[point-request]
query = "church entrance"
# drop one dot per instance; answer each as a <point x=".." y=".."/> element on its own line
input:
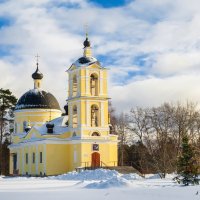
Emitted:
<point x="95" y="160"/>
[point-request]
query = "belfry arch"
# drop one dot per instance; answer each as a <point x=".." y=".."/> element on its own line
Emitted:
<point x="94" y="84"/>
<point x="75" y="117"/>
<point x="74" y="86"/>
<point x="95" y="116"/>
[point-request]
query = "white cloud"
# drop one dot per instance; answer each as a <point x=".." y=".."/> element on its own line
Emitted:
<point x="152" y="91"/>
<point x="165" y="33"/>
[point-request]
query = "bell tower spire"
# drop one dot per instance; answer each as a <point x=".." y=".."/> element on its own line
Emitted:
<point x="37" y="75"/>
<point x="87" y="48"/>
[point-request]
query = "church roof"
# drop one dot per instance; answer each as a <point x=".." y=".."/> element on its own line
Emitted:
<point x="85" y="61"/>
<point x="37" y="98"/>
<point x="60" y="126"/>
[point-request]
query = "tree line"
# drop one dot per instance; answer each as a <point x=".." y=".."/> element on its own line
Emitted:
<point x="151" y="138"/>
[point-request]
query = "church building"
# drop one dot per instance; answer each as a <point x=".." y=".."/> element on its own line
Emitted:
<point x="46" y="142"/>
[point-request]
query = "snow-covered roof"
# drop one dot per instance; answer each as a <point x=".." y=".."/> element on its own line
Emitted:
<point x="59" y="126"/>
<point x="85" y="61"/>
<point x="20" y="135"/>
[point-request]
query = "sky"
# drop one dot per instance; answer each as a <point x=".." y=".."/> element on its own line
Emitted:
<point x="152" y="48"/>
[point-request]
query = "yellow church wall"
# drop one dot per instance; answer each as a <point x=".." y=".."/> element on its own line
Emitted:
<point x="107" y="151"/>
<point x="85" y="155"/>
<point x="83" y="113"/>
<point x="75" y="155"/>
<point x="83" y="80"/>
<point x="11" y="163"/>
<point x="113" y="154"/>
<point x="105" y="89"/>
<point x="106" y="113"/>
<point x="30" y="167"/>
<point x="89" y="132"/>
<point x="57" y="159"/>
<point x="34" y="117"/>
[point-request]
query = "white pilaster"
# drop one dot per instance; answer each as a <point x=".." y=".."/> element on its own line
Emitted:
<point x="78" y="84"/>
<point x="102" y="114"/>
<point x="29" y="160"/>
<point x="70" y="114"/>
<point x="101" y="82"/>
<point x="36" y="159"/>
<point x="70" y="85"/>
<point x="87" y="114"/>
<point x="87" y="83"/>
<point x="79" y="114"/>
<point x="23" y="155"/>
<point x="44" y="158"/>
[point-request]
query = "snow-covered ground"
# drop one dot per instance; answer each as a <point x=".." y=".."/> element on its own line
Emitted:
<point x="98" y="185"/>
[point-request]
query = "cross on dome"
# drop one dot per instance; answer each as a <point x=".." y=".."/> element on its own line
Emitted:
<point x="37" y="75"/>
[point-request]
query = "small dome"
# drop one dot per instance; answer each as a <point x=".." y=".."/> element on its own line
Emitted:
<point x="84" y="60"/>
<point x="86" y="43"/>
<point x="37" y="99"/>
<point x="37" y="74"/>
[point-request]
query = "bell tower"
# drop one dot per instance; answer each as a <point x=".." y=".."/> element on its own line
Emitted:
<point x="87" y="96"/>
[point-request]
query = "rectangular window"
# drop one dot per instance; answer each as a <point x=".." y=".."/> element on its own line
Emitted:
<point x="26" y="158"/>
<point x="33" y="157"/>
<point x="40" y="157"/>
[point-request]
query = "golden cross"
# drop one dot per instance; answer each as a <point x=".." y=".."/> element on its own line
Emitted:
<point x="86" y="29"/>
<point x="37" y="59"/>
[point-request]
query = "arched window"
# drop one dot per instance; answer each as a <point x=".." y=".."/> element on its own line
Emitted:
<point x="74" y="86"/>
<point x="75" y="117"/>
<point x="94" y="85"/>
<point x="94" y="116"/>
<point x="74" y="134"/>
<point x="95" y="134"/>
<point x="24" y="125"/>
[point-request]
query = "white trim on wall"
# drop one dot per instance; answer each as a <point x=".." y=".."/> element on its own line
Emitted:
<point x="23" y="155"/>
<point x="36" y="159"/>
<point x="87" y="113"/>
<point x="72" y="140"/>
<point x="87" y="82"/>
<point x="102" y="114"/>
<point x="29" y="160"/>
<point x="44" y="158"/>
<point x="101" y="83"/>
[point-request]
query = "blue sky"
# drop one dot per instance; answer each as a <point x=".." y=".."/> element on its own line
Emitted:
<point x="150" y="47"/>
<point x="110" y="3"/>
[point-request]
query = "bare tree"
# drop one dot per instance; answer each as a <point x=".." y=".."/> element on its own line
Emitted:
<point x="123" y="135"/>
<point x="161" y="129"/>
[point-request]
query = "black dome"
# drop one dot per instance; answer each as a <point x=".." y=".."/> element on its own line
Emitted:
<point x="86" y="43"/>
<point x="84" y="60"/>
<point x="37" y="74"/>
<point x="34" y="99"/>
<point x="87" y="60"/>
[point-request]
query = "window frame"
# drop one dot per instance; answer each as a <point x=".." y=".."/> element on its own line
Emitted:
<point x="41" y="157"/>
